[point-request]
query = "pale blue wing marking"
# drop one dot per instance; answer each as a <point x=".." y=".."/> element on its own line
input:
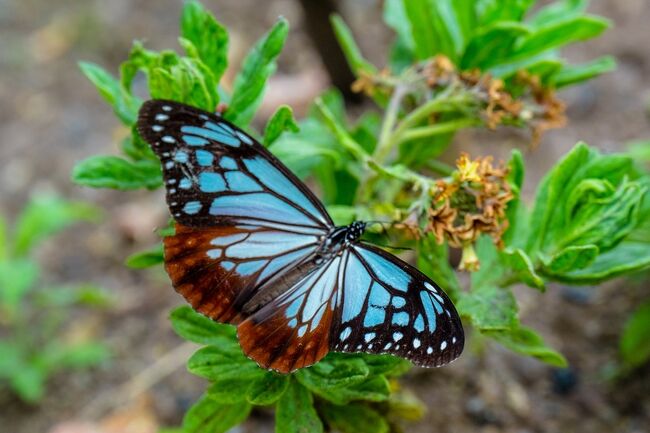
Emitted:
<point x="192" y="207"/>
<point x="192" y="140"/>
<point x="379" y="297"/>
<point x="210" y="134"/>
<point x="204" y="158"/>
<point x="228" y="240"/>
<point x="181" y="157"/>
<point x="419" y="323"/>
<point x="356" y="286"/>
<point x="249" y="268"/>
<point x="374" y="316"/>
<point x="227" y="163"/>
<point x="265" y="244"/>
<point x="238" y="181"/>
<point x="401" y="318"/>
<point x="259" y="205"/>
<point x="185" y="183"/>
<point x="280" y="184"/>
<point x="398" y="302"/>
<point x="211" y="182"/>
<point x="283" y="261"/>
<point x="429" y="310"/>
<point x="385" y="271"/>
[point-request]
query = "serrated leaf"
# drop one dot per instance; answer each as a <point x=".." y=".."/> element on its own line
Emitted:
<point x="258" y="66"/>
<point x="208" y="36"/>
<point x="281" y="121"/>
<point x="337" y="370"/>
<point x="124" y="104"/>
<point x="350" y="48"/>
<point x="210" y="416"/>
<point x="267" y="389"/>
<point x="527" y="342"/>
<point x="634" y="347"/>
<point x="196" y="327"/>
<point x="353" y="418"/>
<point x="117" y="173"/>
<point x="295" y="411"/>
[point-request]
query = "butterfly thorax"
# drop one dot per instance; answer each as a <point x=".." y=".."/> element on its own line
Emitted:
<point x="343" y="235"/>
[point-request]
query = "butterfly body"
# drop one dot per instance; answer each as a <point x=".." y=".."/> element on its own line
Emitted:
<point x="255" y="248"/>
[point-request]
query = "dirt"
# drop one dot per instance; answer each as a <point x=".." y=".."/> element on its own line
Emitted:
<point x="51" y="117"/>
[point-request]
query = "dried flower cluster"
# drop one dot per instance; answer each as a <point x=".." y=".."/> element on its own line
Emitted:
<point x="472" y="202"/>
<point x="535" y="105"/>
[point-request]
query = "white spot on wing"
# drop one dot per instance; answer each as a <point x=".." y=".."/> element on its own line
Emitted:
<point x="166" y="108"/>
<point x="416" y="342"/>
<point x="443" y="345"/>
<point x="161" y="117"/>
<point x="429" y="350"/>
<point x="168" y="139"/>
<point x="157" y="128"/>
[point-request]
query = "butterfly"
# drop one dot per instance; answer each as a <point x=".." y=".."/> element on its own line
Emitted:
<point x="254" y="247"/>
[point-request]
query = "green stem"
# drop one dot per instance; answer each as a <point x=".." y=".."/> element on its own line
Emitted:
<point x="390" y="118"/>
<point x="439" y="167"/>
<point x="439" y="128"/>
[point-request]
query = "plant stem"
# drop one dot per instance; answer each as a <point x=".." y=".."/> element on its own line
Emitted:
<point x="390" y="118"/>
<point x="439" y="167"/>
<point x="440" y="128"/>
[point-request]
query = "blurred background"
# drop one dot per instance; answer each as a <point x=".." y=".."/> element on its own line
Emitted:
<point x="51" y="117"/>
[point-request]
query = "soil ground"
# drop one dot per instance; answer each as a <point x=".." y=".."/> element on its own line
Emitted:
<point x="51" y="117"/>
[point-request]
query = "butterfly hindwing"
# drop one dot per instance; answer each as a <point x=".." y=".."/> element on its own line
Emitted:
<point x="220" y="269"/>
<point x="387" y="306"/>
<point x="215" y="172"/>
<point x="293" y="331"/>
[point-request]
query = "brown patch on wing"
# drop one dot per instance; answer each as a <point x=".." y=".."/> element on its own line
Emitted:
<point x="210" y="288"/>
<point x="267" y="339"/>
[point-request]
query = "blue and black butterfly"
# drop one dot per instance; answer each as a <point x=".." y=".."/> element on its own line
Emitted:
<point x="255" y="248"/>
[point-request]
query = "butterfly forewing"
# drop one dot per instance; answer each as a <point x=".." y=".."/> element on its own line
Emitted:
<point x="214" y="172"/>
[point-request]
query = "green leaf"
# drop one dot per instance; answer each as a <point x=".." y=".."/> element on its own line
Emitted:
<point x="337" y="370"/>
<point x="45" y="216"/>
<point x="577" y="73"/>
<point x="516" y="215"/>
<point x="561" y="33"/>
<point x="491" y="11"/>
<point x="626" y="258"/>
<point x="428" y="30"/>
<point x="350" y="48"/>
<point x="78" y="355"/>
<point x="492" y="45"/>
<point x="17" y="278"/>
<point x="433" y="260"/>
<point x="522" y="268"/>
<point x="29" y="383"/>
<point x="489" y="307"/>
<point x="5" y="247"/>
<point x="117" y="173"/>
<point x="196" y="327"/>
<point x="210" y="416"/>
<point x="257" y="67"/>
<point x="558" y="11"/>
<point x="223" y="362"/>
<point x="526" y="342"/>
<point x="353" y="418"/>
<point x="404" y="404"/>
<point x="229" y="390"/>
<point x="208" y="36"/>
<point x="375" y="388"/>
<point x="267" y="389"/>
<point x="281" y="121"/>
<point x="295" y="411"/>
<point x="572" y="258"/>
<point x="183" y="79"/>
<point x="634" y="347"/>
<point x="146" y="259"/>
<point x="124" y="104"/>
